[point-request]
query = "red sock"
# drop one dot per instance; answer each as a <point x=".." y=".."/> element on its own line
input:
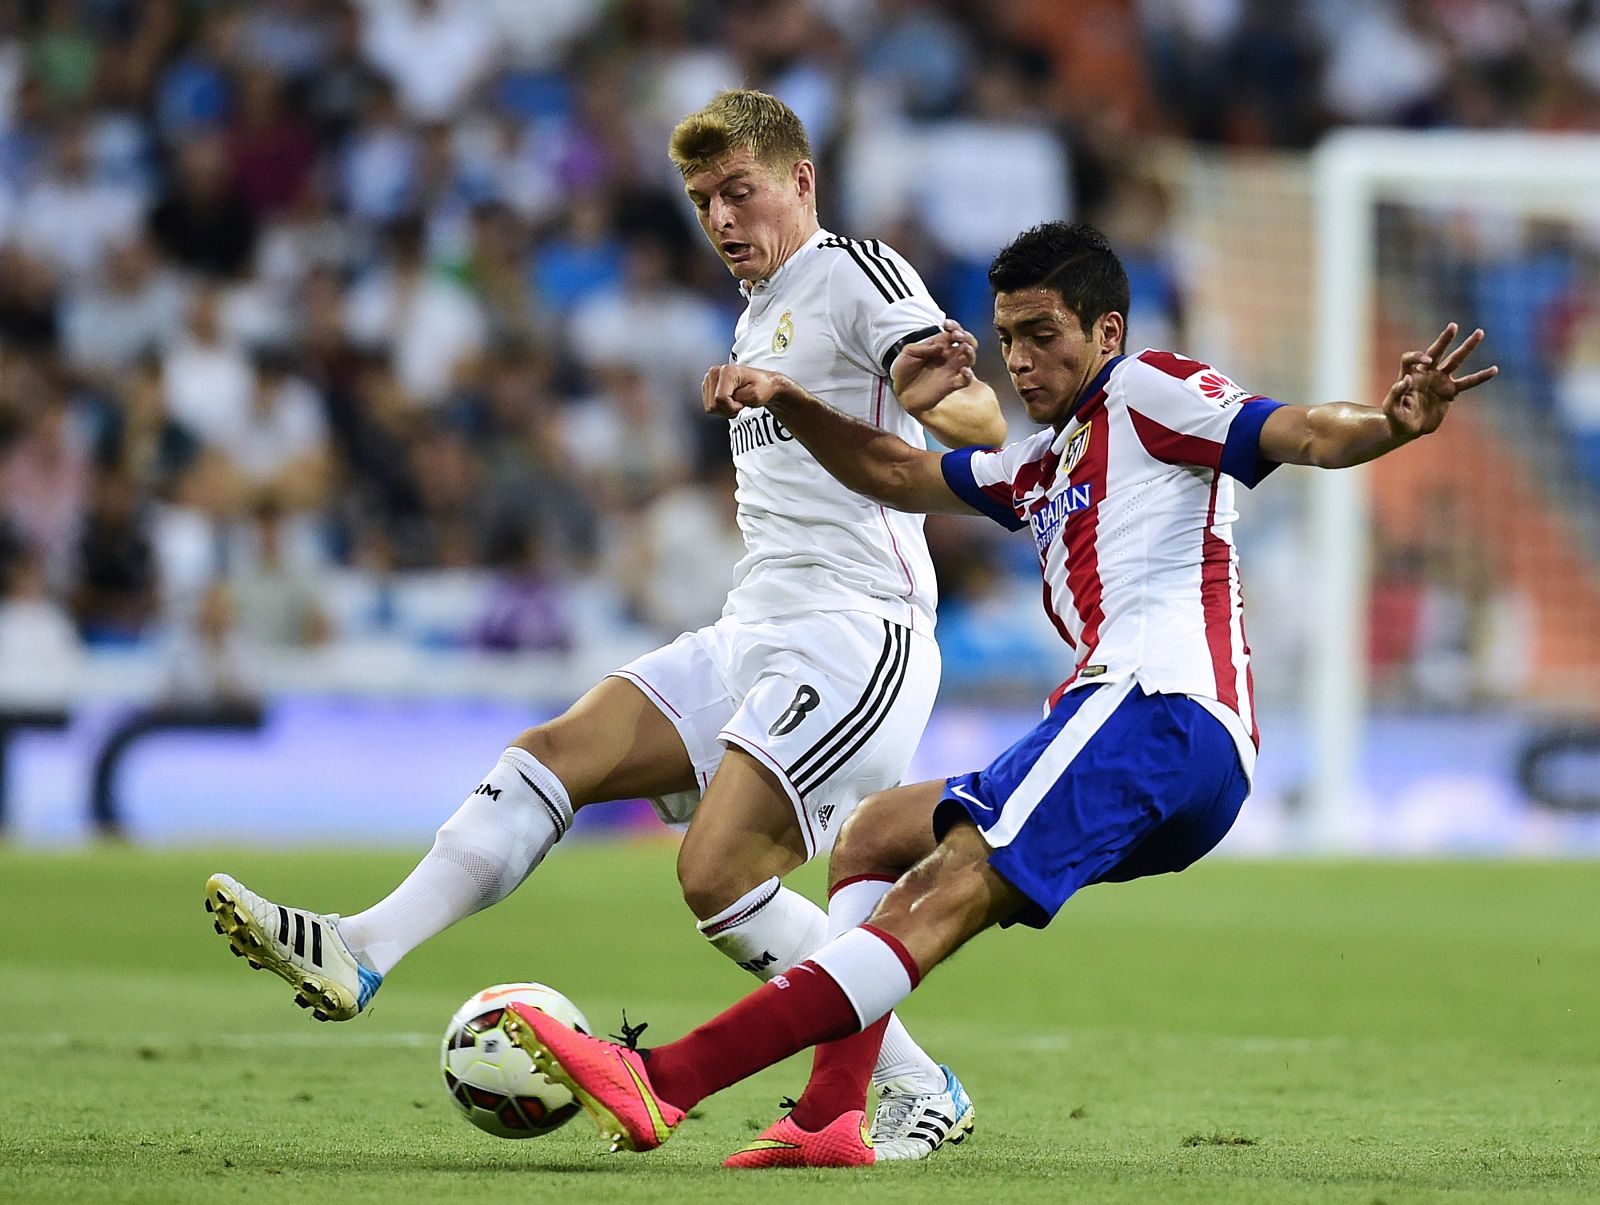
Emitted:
<point x="799" y="1008"/>
<point x="841" y="1072"/>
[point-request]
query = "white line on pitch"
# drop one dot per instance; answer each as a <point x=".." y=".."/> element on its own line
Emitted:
<point x="228" y="1041"/>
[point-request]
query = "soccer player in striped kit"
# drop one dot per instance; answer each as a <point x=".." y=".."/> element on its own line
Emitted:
<point x="1145" y="753"/>
<point x="762" y="732"/>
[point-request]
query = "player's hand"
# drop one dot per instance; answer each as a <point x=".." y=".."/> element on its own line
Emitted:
<point x="927" y="372"/>
<point x="730" y="388"/>
<point x="1417" y="403"/>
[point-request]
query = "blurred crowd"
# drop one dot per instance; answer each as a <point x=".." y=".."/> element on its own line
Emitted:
<point x="329" y="321"/>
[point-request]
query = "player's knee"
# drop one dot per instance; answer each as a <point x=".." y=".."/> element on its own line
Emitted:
<point x="543" y="742"/>
<point x="866" y="844"/>
<point x="710" y="881"/>
<point x="952" y="888"/>
<point x="552" y="745"/>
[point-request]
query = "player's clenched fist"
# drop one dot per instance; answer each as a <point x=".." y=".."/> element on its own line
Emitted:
<point x="730" y="388"/>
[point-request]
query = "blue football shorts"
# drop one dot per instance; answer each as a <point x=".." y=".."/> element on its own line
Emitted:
<point x="1114" y="784"/>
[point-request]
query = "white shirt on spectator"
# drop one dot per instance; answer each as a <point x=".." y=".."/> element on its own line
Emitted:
<point x="107" y="331"/>
<point x="39" y="651"/>
<point x="75" y="224"/>
<point x="273" y="436"/>
<point x="1378" y="65"/>
<point x="208" y="389"/>
<point x="430" y="327"/>
<point x="692" y="548"/>
<point x="435" y="53"/>
<point x="1012" y="176"/>
<point x="669" y="335"/>
<point x="377" y="171"/>
<point x="544" y="42"/>
<point x="600" y="438"/>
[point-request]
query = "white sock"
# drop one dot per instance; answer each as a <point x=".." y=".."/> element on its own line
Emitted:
<point x="480" y="856"/>
<point x="899" y="1058"/>
<point x="767" y="930"/>
<point x="869" y="971"/>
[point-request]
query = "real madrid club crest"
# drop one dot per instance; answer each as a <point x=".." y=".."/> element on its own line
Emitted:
<point x="1075" y="449"/>
<point x="784" y="335"/>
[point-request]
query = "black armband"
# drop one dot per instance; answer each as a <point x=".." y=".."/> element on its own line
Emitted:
<point x="899" y="345"/>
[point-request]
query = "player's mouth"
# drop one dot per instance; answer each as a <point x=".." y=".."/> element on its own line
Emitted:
<point x="737" y="253"/>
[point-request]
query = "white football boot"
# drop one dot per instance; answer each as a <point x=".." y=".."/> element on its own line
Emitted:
<point x="911" y="1124"/>
<point x="302" y="948"/>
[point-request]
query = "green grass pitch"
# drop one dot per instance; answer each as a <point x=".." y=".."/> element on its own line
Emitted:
<point x="1271" y="1032"/>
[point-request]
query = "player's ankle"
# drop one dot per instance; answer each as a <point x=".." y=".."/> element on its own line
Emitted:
<point x="351" y="936"/>
<point x="916" y="1077"/>
<point x="815" y="1116"/>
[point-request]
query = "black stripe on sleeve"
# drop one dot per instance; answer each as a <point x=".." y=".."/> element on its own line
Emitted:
<point x="881" y="283"/>
<point x="890" y="267"/>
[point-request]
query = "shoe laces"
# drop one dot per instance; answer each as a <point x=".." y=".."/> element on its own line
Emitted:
<point x="894" y="1112"/>
<point x="629" y="1036"/>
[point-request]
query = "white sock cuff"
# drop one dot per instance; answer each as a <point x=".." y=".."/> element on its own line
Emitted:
<point x="868" y="971"/>
<point x="851" y="903"/>
<point x="546" y="787"/>
<point x="741" y="910"/>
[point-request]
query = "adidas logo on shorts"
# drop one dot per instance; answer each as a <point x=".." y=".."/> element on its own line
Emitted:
<point x="824" y="814"/>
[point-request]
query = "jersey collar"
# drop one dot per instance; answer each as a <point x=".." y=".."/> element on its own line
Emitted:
<point x="761" y="286"/>
<point x="1094" y="388"/>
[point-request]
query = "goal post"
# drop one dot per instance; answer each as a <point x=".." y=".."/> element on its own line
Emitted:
<point x="1354" y="173"/>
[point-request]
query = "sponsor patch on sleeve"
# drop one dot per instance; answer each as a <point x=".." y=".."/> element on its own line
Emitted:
<point x="1217" y="389"/>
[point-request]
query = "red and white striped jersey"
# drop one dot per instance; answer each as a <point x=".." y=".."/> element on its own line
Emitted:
<point x="1131" y="509"/>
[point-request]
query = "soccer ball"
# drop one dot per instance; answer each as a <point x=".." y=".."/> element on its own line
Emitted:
<point x="491" y="1081"/>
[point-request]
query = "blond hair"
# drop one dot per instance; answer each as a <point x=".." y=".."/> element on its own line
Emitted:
<point x="739" y="119"/>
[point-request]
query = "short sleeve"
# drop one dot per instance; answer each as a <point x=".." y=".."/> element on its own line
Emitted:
<point x="1185" y="412"/>
<point x="984" y="478"/>
<point x="877" y="303"/>
<point x="1241" y="451"/>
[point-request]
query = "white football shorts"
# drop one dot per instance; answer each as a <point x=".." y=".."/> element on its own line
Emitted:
<point x="833" y="703"/>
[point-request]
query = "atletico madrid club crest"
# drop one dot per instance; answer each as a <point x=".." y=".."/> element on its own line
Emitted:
<point x="784" y="335"/>
<point x="1075" y="450"/>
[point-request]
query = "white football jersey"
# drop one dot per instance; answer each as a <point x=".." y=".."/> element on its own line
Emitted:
<point x="832" y="318"/>
<point x="1131" y="510"/>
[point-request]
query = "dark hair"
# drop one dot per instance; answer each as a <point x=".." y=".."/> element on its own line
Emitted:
<point x="1072" y="258"/>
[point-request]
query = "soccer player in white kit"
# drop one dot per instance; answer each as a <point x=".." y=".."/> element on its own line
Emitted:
<point x="1145" y="752"/>
<point x="762" y="732"/>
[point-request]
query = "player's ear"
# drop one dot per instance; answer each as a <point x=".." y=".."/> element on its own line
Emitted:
<point x="1111" y="330"/>
<point x="805" y="180"/>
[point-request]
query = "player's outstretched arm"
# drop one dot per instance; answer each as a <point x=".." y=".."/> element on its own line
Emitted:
<point x="865" y="458"/>
<point x="934" y="381"/>
<point x="1340" y="434"/>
